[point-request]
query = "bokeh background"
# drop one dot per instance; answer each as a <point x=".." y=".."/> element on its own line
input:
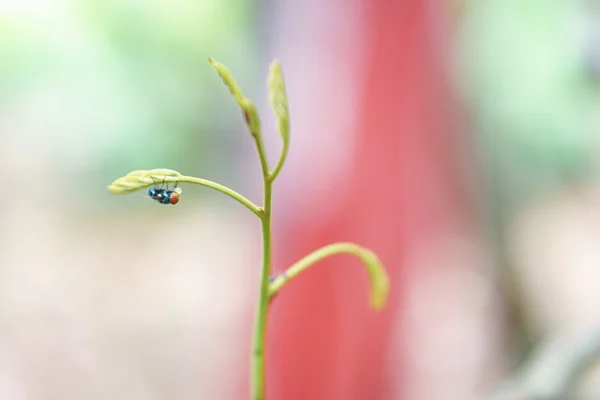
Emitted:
<point x="457" y="139"/>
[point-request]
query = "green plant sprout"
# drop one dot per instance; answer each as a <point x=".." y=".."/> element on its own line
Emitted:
<point x="378" y="278"/>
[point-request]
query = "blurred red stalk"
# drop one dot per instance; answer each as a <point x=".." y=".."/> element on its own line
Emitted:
<point x="324" y="341"/>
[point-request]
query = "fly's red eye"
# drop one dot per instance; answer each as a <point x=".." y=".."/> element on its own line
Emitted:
<point x="174" y="198"/>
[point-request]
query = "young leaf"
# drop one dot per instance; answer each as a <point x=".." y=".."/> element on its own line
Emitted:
<point x="248" y="108"/>
<point x="142" y="178"/>
<point x="278" y="99"/>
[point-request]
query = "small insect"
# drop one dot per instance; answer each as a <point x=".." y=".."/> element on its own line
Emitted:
<point x="164" y="196"/>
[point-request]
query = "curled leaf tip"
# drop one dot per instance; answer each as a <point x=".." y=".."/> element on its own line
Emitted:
<point x="142" y="178"/>
<point x="379" y="282"/>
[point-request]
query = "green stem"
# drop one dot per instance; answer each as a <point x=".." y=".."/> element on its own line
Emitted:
<point x="260" y="327"/>
<point x="280" y="163"/>
<point x="223" y="189"/>
<point x="262" y="154"/>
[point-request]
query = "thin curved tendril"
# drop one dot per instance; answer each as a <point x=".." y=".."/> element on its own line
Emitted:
<point x="378" y="278"/>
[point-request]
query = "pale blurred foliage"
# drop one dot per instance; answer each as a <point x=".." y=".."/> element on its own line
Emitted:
<point x="120" y="307"/>
<point x="452" y="330"/>
<point x="117" y="297"/>
<point x="528" y="72"/>
<point x="554" y="241"/>
<point x="554" y="244"/>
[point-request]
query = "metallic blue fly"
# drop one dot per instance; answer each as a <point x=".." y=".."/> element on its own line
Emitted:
<point x="164" y="196"/>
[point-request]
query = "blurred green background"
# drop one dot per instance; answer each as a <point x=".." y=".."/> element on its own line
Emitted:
<point x="106" y="87"/>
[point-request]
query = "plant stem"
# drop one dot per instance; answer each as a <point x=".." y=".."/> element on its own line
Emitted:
<point x="279" y="164"/>
<point x="262" y="155"/>
<point x="260" y="327"/>
<point x="223" y="189"/>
